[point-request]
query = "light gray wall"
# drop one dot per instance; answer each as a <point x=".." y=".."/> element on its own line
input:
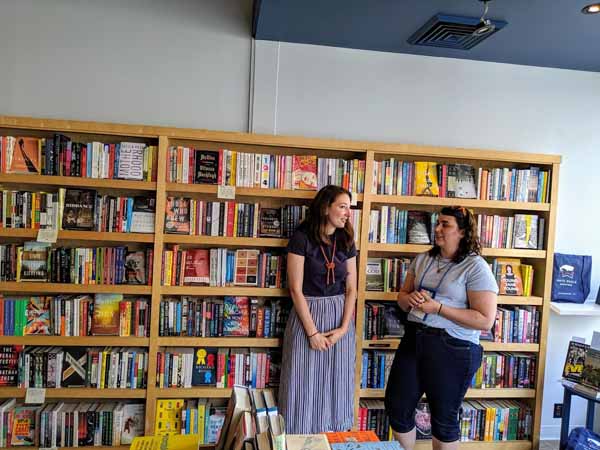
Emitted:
<point x="355" y="94"/>
<point x="179" y="62"/>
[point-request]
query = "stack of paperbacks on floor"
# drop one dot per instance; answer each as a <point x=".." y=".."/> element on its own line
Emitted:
<point x="252" y="421"/>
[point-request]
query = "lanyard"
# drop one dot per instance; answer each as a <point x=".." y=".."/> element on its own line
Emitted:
<point x="450" y="265"/>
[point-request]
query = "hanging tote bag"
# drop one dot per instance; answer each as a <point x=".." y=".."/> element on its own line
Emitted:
<point x="571" y="276"/>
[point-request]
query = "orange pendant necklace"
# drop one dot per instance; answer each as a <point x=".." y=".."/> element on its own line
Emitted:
<point x="330" y="265"/>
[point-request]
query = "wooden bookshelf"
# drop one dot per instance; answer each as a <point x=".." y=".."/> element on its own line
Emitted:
<point x="368" y="151"/>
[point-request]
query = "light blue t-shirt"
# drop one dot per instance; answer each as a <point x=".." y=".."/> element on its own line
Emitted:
<point x="451" y="284"/>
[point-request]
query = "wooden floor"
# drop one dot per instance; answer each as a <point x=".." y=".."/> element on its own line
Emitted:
<point x="548" y="445"/>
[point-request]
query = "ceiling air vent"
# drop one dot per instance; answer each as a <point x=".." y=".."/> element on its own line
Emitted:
<point x="452" y="32"/>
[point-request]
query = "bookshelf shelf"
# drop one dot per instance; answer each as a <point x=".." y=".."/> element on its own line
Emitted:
<point x="218" y="342"/>
<point x="76" y="341"/>
<point x="367" y="151"/>
<point x="418" y="248"/>
<point x="66" y="235"/>
<point x="218" y="291"/>
<point x="194" y="392"/>
<point x="467" y="203"/>
<point x="489" y="445"/>
<point x="179" y="188"/>
<point x="224" y="241"/>
<point x="471" y="393"/>
<point x="77" y="393"/>
<point x="68" y="288"/>
<point x="51" y="180"/>
<point x="502" y="299"/>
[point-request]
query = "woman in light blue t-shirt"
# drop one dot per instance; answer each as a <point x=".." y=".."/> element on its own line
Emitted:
<point x="450" y="296"/>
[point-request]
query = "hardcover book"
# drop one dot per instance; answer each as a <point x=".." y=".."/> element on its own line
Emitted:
<point x="525" y="231"/>
<point x="423" y="420"/>
<point x="74" y="367"/>
<point x="269" y="222"/>
<point x="304" y="172"/>
<point x="205" y="363"/>
<point x="135" y="267"/>
<point x="207" y="167"/>
<point x="375" y="274"/>
<point x="426" y="182"/>
<point x="34" y="261"/>
<point x="418" y="227"/>
<point x="23" y="155"/>
<point x="23" y="425"/>
<point x="130" y="164"/>
<point x="510" y="281"/>
<point x="197" y="266"/>
<point x="133" y="422"/>
<point x="246" y="267"/>
<point x="142" y="217"/>
<point x="177" y="216"/>
<point x="590" y="376"/>
<point x="38" y="316"/>
<point x="105" y="320"/>
<point x="575" y="360"/>
<point x="236" y="316"/>
<point x="78" y="211"/>
<point x="465" y="181"/>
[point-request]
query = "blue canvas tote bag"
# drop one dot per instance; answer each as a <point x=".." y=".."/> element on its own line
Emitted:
<point x="571" y="277"/>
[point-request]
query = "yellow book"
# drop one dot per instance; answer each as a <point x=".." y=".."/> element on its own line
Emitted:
<point x="201" y="419"/>
<point x="105" y="354"/>
<point x="170" y="442"/>
<point x="19" y="262"/>
<point x="235" y="220"/>
<point x="168" y="417"/>
<point x="426" y="181"/>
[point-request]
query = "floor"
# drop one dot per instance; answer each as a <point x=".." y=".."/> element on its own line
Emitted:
<point x="548" y="445"/>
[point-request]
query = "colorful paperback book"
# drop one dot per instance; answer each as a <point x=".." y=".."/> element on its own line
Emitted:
<point x="351" y="436"/>
<point x="204" y="369"/>
<point x="34" y="261"/>
<point x="246" y="267"/>
<point x="590" y="375"/>
<point x="304" y="172"/>
<point x="105" y="321"/>
<point x="509" y="276"/>
<point x="197" y="266"/>
<point x="575" y="360"/>
<point x="236" y="316"/>
<point x="23" y="426"/>
<point x="168" y="417"/>
<point x="177" y="215"/>
<point x="382" y="445"/>
<point x="24" y="154"/>
<point x="423" y="420"/>
<point x="426" y="182"/>
<point x="38" y="316"/>
<point x="74" y="367"/>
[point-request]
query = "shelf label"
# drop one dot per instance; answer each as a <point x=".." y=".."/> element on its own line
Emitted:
<point x="48" y="235"/>
<point x="353" y="199"/>
<point x="226" y="192"/>
<point x="35" y="396"/>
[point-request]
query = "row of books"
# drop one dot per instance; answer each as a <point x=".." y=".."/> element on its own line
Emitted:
<point x="32" y="210"/>
<point x="376" y="366"/>
<point x="75" y="315"/>
<point x="372" y="417"/>
<point x="65" y="424"/>
<point x="202" y="417"/>
<point x="395" y="177"/>
<point x="392" y="225"/>
<point x="521" y="231"/>
<point x="386" y="274"/>
<point x="516" y="324"/>
<point x="232" y="168"/>
<point x="382" y="320"/>
<point x="37" y="261"/>
<point x="505" y="370"/>
<point x="227" y="316"/>
<point x="223" y="267"/>
<point x="204" y="366"/>
<point x="59" y="155"/>
<point x="56" y="367"/>
<point x="495" y="420"/>
<point x="512" y="276"/>
<point x="582" y="367"/>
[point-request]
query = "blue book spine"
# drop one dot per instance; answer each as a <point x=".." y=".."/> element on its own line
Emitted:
<point x="88" y="156"/>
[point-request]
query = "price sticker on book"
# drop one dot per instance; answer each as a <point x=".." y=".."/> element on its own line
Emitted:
<point x="226" y="192"/>
<point x="49" y="235"/>
<point x="353" y="199"/>
<point x="35" y="396"/>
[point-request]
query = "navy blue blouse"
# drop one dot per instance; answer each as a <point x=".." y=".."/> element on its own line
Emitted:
<point x="315" y="272"/>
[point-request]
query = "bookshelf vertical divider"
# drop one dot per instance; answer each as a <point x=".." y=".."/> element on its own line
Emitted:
<point x="362" y="278"/>
<point x="370" y="152"/>
<point x="159" y="221"/>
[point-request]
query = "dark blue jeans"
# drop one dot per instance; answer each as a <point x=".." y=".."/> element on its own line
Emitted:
<point x="429" y="361"/>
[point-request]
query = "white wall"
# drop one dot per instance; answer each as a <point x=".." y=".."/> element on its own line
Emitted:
<point x="179" y="62"/>
<point x="355" y="94"/>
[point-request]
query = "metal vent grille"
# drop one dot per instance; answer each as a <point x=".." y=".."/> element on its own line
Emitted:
<point x="452" y="32"/>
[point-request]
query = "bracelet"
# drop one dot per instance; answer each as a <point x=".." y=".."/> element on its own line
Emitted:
<point x="314" y="334"/>
<point x="440" y="310"/>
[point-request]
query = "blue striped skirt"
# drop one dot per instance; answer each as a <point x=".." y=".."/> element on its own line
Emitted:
<point x="316" y="393"/>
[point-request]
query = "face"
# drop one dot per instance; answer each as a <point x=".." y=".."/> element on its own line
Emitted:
<point x="338" y="213"/>
<point x="447" y="233"/>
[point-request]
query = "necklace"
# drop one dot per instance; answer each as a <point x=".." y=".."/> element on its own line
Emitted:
<point x="330" y="265"/>
<point x="440" y="267"/>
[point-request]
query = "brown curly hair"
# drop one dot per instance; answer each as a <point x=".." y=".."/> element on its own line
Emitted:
<point x="469" y="244"/>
